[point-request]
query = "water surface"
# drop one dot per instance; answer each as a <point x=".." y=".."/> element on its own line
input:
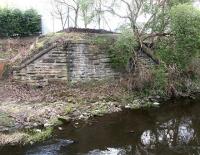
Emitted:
<point x="172" y="129"/>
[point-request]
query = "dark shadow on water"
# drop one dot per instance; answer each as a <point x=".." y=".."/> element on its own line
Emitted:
<point x="172" y="129"/>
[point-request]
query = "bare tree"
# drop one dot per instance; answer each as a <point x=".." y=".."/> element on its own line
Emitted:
<point x="73" y="5"/>
<point x="53" y="21"/>
<point x="99" y="12"/>
<point x="87" y="11"/>
<point x="60" y="12"/>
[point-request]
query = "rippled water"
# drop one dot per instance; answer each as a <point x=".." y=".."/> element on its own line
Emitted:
<point x="172" y="129"/>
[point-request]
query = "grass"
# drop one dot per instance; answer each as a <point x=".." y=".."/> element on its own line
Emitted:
<point x="68" y="109"/>
<point x="35" y="136"/>
<point x="12" y="139"/>
<point x="24" y="138"/>
<point x="55" y="122"/>
<point x="5" y="120"/>
<point x="7" y="54"/>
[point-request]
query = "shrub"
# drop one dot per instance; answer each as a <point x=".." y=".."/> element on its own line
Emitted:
<point x="181" y="51"/>
<point x="184" y="46"/>
<point x="142" y="80"/>
<point x="185" y="24"/>
<point x="18" y="23"/>
<point x="123" y="49"/>
<point x="160" y="78"/>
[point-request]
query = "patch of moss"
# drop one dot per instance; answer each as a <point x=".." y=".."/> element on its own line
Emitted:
<point x="35" y="136"/>
<point x="3" y="54"/>
<point x="68" y="109"/>
<point x="12" y="139"/>
<point x="25" y="138"/>
<point x="39" y="45"/>
<point x="5" y="120"/>
<point x="55" y="122"/>
<point x="100" y="109"/>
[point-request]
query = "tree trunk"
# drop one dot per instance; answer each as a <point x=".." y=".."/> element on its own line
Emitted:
<point x="150" y="53"/>
<point x="62" y="22"/>
<point x="76" y="18"/>
<point x="99" y="15"/>
<point x="68" y="17"/>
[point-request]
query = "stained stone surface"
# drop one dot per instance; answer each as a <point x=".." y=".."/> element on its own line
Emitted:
<point x="76" y="61"/>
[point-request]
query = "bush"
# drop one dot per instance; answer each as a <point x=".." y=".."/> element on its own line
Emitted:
<point x="181" y="51"/>
<point x="184" y="46"/>
<point x="185" y="21"/>
<point x="17" y="23"/>
<point x="123" y="49"/>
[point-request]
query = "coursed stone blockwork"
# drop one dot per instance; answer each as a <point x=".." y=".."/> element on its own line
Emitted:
<point x="75" y="61"/>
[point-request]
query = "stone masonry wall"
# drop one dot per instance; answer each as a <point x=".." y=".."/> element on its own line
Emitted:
<point x="88" y="62"/>
<point x="50" y="66"/>
<point x="78" y="61"/>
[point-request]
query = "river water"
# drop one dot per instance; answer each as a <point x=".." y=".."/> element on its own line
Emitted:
<point x="172" y="129"/>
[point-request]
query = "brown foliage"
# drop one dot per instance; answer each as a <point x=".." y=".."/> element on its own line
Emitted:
<point x="139" y="79"/>
<point x="15" y="48"/>
<point x="1" y="69"/>
<point x="173" y="77"/>
<point x="193" y="68"/>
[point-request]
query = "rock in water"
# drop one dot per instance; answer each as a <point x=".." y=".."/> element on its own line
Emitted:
<point x="156" y="103"/>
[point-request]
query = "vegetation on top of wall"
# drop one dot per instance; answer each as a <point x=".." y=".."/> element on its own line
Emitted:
<point x="120" y="48"/>
<point x="15" y="22"/>
<point x="123" y="49"/>
<point x="178" y="53"/>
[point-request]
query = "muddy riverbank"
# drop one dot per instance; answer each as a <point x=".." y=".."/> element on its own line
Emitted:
<point x="173" y="129"/>
<point x="25" y="109"/>
<point x="29" y="114"/>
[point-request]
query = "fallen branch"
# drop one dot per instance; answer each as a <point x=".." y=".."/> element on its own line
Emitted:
<point x="150" y="53"/>
<point x="158" y="35"/>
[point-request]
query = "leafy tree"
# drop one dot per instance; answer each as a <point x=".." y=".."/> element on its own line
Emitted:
<point x="32" y="21"/>
<point x="184" y="44"/>
<point x="155" y="25"/>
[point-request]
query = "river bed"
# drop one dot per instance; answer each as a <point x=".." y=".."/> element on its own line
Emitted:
<point x="172" y="129"/>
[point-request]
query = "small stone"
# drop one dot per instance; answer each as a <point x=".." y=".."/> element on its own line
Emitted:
<point x="47" y="125"/>
<point x="85" y="113"/>
<point x="81" y="117"/>
<point x="31" y="142"/>
<point x="128" y="107"/>
<point x="38" y="130"/>
<point x="35" y="124"/>
<point x="156" y="103"/>
<point x="76" y="123"/>
<point x="158" y="97"/>
<point x="65" y="119"/>
<point x="60" y="128"/>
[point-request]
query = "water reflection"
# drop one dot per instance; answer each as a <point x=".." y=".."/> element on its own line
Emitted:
<point x="185" y="131"/>
<point x="171" y="133"/>
<point x="108" y="151"/>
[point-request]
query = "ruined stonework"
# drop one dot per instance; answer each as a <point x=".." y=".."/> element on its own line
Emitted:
<point x="71" y="61"/>
<point x="87" y="62"/>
